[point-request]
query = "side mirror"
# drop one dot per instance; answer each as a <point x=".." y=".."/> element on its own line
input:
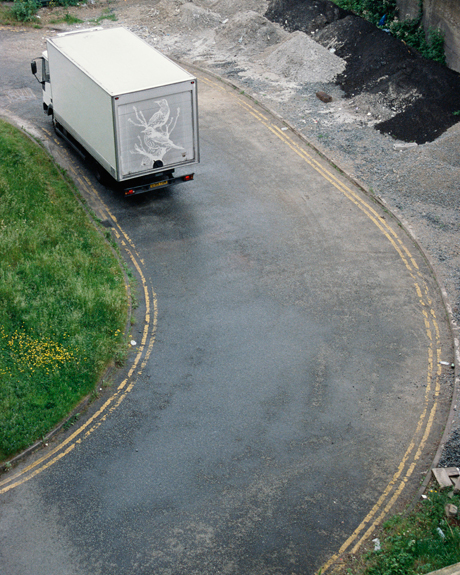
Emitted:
<point x="40" y="71"/>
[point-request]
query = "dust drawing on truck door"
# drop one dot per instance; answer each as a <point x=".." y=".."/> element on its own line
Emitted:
<point x="155" y="141"/>
<point x="155" y="130"/>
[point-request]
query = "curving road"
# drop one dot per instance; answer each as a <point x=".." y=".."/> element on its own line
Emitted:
<point x="285" y="393"/>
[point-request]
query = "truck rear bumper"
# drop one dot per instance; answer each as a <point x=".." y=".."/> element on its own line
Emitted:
<point x="157" y="184"/>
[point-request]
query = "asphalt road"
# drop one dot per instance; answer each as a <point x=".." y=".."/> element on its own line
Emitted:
<point x="285" y="388"/>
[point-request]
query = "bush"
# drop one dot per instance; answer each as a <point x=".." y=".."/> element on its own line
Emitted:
<point x="430" y="45"/>
<point x="66" y="2"/>
<point x="371" y="10"/>
<point x="25" y="10"/>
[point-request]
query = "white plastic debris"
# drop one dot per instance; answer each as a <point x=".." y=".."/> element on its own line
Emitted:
<point x="405" y="146"/>
<point x="133" y="343"/>
<point x="376" y="543"/>
<point x="441" y="533"/>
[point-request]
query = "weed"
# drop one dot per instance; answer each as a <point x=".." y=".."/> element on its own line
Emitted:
<point x="106" y="15"/>
<point x="7" y="17"/>
<point x="420" y="542"/>
<point x="371" y="10"/>
<point x="64" y="3"/>
<point x="71" y="421"/>
<point x="121" y="356"/>
<point x="134" y="301"/>
<point x="67" y="19"/>
<point x="25" y="10"/>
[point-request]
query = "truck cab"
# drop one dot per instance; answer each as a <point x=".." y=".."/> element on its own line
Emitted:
<point x="41" y="70"/>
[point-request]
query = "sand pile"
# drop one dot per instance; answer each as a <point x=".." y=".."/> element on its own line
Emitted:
<point x="302" y="59"/>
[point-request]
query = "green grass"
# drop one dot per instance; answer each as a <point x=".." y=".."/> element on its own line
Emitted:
<point x="63" y="302"/>
<point x="66" y="19"/>
<point x="420" y="542"/>
<point x="106" y="15"/>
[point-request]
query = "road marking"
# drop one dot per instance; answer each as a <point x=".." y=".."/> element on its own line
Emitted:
<point x="426" y="419"/>
<point x="407" y="465"/>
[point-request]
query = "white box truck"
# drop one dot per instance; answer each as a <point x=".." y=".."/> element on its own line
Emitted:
<point x="123" y="104"/>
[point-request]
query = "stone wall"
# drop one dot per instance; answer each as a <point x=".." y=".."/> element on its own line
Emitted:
<point x="442" y="14"/>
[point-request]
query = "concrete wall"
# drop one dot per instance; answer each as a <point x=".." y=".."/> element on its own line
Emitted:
<point x="445" y="15"/>
<point x="408" y="9"/>
<point x="442" y="14"/>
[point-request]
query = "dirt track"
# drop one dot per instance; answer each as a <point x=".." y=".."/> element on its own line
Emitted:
<point x="283" y="67"/>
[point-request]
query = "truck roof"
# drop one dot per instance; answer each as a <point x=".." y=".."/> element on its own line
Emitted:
<point x="118" y="60"/>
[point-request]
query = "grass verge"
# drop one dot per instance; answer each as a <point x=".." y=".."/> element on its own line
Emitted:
<point x="63" y="301"/>
<point x="417" y="543"/>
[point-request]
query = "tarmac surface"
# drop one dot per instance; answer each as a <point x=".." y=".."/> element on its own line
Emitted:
<point x="288" y="391"/>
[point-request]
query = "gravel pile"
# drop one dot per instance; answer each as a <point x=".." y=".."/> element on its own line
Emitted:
<point x="451" y="450"/>
<point x="301" y="59"/>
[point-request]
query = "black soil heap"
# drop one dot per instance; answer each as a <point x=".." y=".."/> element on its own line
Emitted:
<point x="423" y="93"/>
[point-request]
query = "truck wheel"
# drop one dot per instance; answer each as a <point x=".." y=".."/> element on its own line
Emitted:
<point x="55" y="125"/>
<point x="100" y="174"/>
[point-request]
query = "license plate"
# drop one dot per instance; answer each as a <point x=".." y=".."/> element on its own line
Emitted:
<point x="156" y="184"/>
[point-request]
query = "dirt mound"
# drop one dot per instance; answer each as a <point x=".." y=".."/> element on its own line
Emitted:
<point x="251" y="30"/>
<point x="422" y="95"/>
<point x="194" y="16"/>
<point x="302" y="59"/>
<point x="306" y="16"/>
<point x="231" y="7"/>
